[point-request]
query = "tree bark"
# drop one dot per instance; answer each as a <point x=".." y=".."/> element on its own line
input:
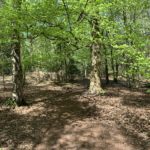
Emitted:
<point x="106" y="66"/>
<point x="117" y="71"/>
<point x="17" y="94"/>
<point x="3" y="74"/>
<point x="95" y="81"/>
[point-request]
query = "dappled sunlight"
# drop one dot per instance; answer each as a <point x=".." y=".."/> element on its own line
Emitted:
<point x="63" y="116"/>
<point x="74" y="75"/>
<point x="45" y="117"/>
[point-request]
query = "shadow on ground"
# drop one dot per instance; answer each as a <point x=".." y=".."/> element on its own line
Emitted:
<point x="137" y="101"/>
<point x="135" y="119"/>
<point x="44" y="120"/>
<point x="59" y="118"/>
<point x="133" y="115"/>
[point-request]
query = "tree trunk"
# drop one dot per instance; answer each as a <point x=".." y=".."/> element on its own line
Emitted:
<point x="85" y="73"/>
<point x="31" y="52"/>
<point x="66" y="70"/>
<point x="106" y="66"/>
<point x="95" y="82"/>
<point x="117" y="71"/>
<point x="113" y="67"/>
<point x="3" y="74"/>
<point x="106" y="71"/>
<point x="17" y="71"/>
<point x="17" y="94"/>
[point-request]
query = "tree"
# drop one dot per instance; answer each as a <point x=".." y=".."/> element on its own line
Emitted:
<point x="95" y="81"/>
<point x="17" y="71"/>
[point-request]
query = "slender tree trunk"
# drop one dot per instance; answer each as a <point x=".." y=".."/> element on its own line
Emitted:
<point x="31" y="52"/>
<point x="106" y="66"/>
<point x="113" y="67"/>
<point x="117" y="71"/>
<point x="17" y="94"/>
<point x="66" y="70"/>
<point x="85" y="73"/>
<point x="24" y="77"/>
<point x="3" y="74"/>
<point x="125" y="20"/>
<point x="106" y="71"/>
<point x="95" y="82"/>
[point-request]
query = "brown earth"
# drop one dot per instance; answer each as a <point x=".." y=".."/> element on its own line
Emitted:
<point x="64" y="117"/>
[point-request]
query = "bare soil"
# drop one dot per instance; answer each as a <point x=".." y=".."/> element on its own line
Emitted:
<point x="64" y="117"/>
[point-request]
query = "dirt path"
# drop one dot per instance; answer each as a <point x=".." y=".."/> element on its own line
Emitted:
<point x="63" y="117"/>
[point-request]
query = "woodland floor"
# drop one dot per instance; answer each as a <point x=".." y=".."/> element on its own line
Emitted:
<point x="64" y="117"/>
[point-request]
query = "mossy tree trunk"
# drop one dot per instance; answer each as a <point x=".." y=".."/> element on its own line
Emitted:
<point x="95" y="81"/>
